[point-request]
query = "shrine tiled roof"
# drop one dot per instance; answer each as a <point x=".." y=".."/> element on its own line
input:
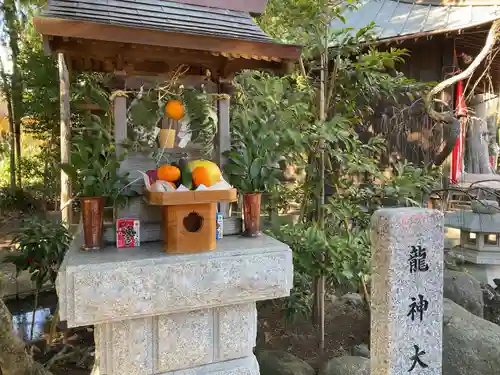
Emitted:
<point x="160" y="15"/>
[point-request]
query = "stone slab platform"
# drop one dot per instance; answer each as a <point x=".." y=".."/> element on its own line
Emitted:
<point x="113" y="284"/>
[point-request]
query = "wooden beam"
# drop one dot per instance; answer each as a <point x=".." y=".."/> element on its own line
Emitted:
<point x="147" y="60"/>
<point x="64" y="87"/>
<point x="121" y="34"/>
<point x="148" y="82"/>
<point x="150" y="59"/>
<point x="223" y="140"/>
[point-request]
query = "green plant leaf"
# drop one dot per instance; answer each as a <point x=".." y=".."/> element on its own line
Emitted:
<point x="255" y="168"/>
<point x="233" y="169"/>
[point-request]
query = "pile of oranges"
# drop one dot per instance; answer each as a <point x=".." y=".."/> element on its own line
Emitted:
<point x="190" y="174"/>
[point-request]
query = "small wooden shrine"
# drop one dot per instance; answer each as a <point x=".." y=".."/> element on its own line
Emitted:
<point x="152" y="312"/>
<point x="189" y="224"/>
<point x="142" y="41"/>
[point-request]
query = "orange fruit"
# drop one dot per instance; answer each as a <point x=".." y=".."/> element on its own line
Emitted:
<point x="174" y="110"/>
<point x="169" y="173"/>
<point x="201" y="177"/>
<point x="212" y="169"/>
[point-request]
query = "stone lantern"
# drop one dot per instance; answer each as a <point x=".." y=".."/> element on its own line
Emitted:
<point x="479" y="246"/>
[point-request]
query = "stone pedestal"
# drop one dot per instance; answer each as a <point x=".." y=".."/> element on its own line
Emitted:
<point x="156" y="313"/>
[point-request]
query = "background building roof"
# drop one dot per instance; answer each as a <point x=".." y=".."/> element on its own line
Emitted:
<point x="398" y="19"/>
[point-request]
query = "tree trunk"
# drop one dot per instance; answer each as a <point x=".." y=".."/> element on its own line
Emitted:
<point x="477" y="148"/>
<point x="6" y="89"/>
<point x="46" y="189"/>
<point x="12" y="151"/>
<point x="13" y="30"/>
<point x="321" y="280"/>
<point x="479" y="133"/>
<point x="14" y="360"/>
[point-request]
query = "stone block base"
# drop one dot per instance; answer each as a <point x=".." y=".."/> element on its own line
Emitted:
<point x="240" y="366"/>
<point x="166" y="343"/>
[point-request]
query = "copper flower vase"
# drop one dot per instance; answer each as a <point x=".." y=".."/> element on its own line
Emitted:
<point x="251" y="212"/>
<point x="92" y="219"/>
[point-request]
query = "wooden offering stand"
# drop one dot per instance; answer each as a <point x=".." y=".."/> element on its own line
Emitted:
<point x="189" y="218"/>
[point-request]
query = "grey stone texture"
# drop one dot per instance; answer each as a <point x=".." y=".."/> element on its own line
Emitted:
<point x="240" y="366"/>
<point x="471" y="345"/>
<point x="484" y="206"/>
<point x="146" y="346"/>
<point x="484" y="258"/>
<point x="275" y="362"/>
<point x="394" y="336"/>
<point x="347" y="365"/>
<point x="360" y="350"/>
<point x="11" y="283"/>
<point x="353" y="299"/>
<point x="137" y="208"/>
<point x="463" y="289"/>
<point x="473" y="222"/>
<point x="119" y="284"/>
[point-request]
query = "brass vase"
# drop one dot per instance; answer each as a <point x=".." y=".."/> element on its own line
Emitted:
<point x="251" y="212"/>
<point x="92" y="219"/>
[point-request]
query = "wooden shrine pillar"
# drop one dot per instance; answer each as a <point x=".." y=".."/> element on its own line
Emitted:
<point x="65" y="112"/>
<point x="120" y="119"/>
<point x="223" y="140"/>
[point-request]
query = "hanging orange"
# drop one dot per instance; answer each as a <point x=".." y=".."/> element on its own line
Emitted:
<point x="168" y="173"/>
<point x="174" y="110"/>
<point x="201" y="177"/>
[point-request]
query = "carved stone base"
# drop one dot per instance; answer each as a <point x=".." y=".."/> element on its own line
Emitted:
<point x="156" y="313"/>
<point x="165" y="343"/>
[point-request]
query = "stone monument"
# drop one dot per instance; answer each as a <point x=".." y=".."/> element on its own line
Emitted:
<point x="407" y="291"/>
